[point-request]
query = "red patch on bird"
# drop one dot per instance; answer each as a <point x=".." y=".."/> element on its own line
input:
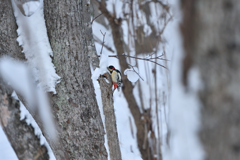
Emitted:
<point x="115" y="85"/>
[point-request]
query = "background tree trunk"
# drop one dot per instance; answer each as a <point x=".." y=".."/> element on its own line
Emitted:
<point x="75" y="108"/>
<point x="211" y="32"/>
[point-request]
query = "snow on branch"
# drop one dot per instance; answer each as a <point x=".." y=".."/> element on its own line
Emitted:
<point x="32" y="36"/>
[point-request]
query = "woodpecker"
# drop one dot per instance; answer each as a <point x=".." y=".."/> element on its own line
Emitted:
<point x="116" y="77"/>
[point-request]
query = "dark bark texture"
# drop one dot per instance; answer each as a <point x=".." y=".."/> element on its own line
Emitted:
<point x="8" y="34"/>
<point x="211" y="32"/>
<point x="75" y="108"/>
<point x="21" y="136"/>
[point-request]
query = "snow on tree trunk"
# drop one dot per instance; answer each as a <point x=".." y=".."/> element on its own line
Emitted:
<point x="21" y="135"/>
<point x="16" y="130"/>
<point x="75" y="108"/>
<point x="32" y="37"/>
<point x="211" y="40"/>
<point x="110" y="119"/>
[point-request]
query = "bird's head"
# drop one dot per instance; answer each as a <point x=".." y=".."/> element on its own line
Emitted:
<point x="110" y="68"/>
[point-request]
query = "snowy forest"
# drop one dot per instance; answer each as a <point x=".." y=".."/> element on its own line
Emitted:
<point x="176" y="95"/>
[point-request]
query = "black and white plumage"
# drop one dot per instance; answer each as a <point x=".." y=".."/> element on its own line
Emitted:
<point x="116" y="77"/>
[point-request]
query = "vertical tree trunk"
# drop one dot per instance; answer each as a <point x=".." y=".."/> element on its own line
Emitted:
<point x="8" y="34"/>
<point x="110" y="119"/>
<point x="75" y="108"/>
<point x="211" y="32"/>
<point x="80" y="129"/>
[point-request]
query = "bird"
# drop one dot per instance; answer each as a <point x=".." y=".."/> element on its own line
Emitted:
<point x="116" y="77"/>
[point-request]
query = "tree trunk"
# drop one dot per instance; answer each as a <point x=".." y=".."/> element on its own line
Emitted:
<point x="21" y="135"/>
<point x="75" y="108"/>
<point x="80" y="128"/>
<point x="8" y="34"/>
<point x="211" y="40"/>
<point x="110" y="119"/>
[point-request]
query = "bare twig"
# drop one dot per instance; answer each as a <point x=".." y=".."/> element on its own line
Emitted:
<point x="165" y="24"/>
<point x="102" y="41"/>
<point x="135" y="71"/>
<point x="96" y="39"/>
<point x="96" y="18"/>
<point x="144" y="59"/>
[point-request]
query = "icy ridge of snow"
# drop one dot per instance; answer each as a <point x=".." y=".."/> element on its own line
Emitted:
<point x="32" y="36"/>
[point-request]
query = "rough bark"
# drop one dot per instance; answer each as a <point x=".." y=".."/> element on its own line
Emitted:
<point x="79" y="123"/>
<point x="213" y="46"/>
<point x="75" y="108"/>
<point x="110" y="120"/>
<point x="128" y="87"/>
<point x="21" y="136"/>
<point x="8" y="34"/>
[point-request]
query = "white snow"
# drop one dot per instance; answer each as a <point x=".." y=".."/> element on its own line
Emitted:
<point x="30" y="121"/>
<point x="6" y="150"/>
<point x="98" y="30"/>
<point x="18" y="76"/>
<point x="32" y="36"/>
<point x="131" y="75"/>
<point x="28" y="7"/>
<point x="31" y="7"/>
<point x="102" y="66"/>
<point x="184" y="115"/>
<point x="127" y="139"/>
<point x="128" y="144"/>
<point x="99" y="102"/>
<point x="125" y="122"/>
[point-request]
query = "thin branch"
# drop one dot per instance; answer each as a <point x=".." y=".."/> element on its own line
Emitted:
<point x="96" y="39"/>
<point x="96" y="18"/>
<point x="165" y="24"/>
<point x="144" y="59"/>
<point x="102" y="41"/>
<point x="135" y="71"/>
